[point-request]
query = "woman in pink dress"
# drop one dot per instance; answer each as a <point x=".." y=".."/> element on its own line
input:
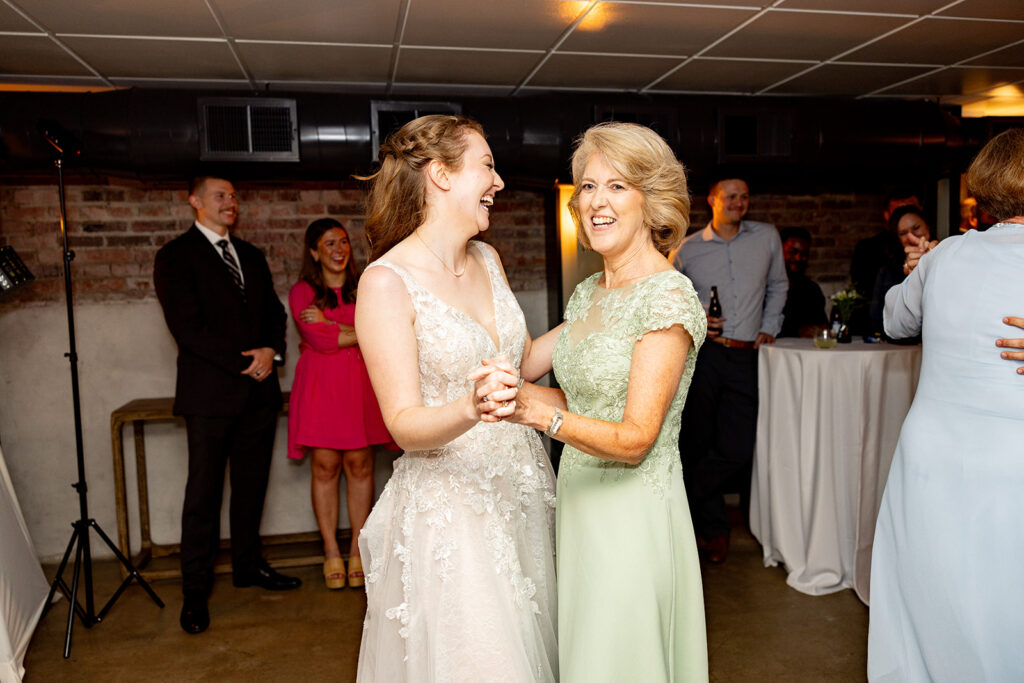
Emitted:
<point x="333" y="413"/>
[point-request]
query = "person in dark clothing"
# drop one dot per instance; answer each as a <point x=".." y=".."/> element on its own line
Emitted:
<point x="805" y="304"/>
<point x="218" y="299"/>
<point x="872" y="253"/>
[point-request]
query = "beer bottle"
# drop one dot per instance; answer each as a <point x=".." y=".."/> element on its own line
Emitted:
<point x="715" y="306"/>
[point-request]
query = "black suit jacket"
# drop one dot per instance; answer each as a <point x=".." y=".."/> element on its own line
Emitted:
<point x="213" y="323"/>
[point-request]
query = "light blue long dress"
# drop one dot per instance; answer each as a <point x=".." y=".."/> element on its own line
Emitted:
<point x="630" y="605"/>
<point x="947" y="571"/>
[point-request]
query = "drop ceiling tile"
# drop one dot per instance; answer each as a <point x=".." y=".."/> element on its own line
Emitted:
<point x="352" y="21"/>
<point x="987" y="9"/>
<point x="1011" y="56"/>
<point x="157" y="58"/>
<point x="803" y="35"/>
<point x="277" y="62"/>
<point x="12" y="21"/>
<point x="940" y="41"/>
<point x="38" y="56"/>
<point x="653" y="29"/>
<point x="915" y="7"/>
<point x="181" y="18"/>
<point x="744" y="4"/>
<point x="512" y="24"/>
<point x="958" y="81"/>
<point x="464" y="67"/>
<point x="585" y="71"/>
<point x="847" y="80"/>
<point x="721" y="75"/>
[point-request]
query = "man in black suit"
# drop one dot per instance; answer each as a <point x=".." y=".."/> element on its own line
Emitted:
<point x="219" y="302"/>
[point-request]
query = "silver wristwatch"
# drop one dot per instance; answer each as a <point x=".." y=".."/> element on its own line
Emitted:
<point x="556" y="423"/>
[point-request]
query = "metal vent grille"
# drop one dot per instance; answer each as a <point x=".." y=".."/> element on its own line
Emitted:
<point x="388" y="116"/>
<point x="248" y="129"/>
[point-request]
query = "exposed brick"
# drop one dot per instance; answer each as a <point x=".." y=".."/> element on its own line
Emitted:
<point x="80" y="241"/>
<point x="128" y="240"/>
<point x="156" y="226"/>
<point x="116" y="226"/>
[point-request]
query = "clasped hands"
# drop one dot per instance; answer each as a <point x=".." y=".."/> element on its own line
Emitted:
<point x="496" y="387"/>
<point x="918" y="247"/>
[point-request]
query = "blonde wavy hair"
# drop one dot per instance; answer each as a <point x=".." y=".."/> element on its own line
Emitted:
<point x="645" y="162"/>
<point x="397" y="201"/>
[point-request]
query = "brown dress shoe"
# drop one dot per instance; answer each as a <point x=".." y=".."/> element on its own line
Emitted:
<point x="717" y="549"/>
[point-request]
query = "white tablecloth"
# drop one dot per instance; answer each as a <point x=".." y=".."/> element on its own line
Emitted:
<point x="23" y="586"/>
<point x="827" y="426"/>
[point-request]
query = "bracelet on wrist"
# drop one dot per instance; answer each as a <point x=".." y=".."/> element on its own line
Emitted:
<point x="556" y="423"/>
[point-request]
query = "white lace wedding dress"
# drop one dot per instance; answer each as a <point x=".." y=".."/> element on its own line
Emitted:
<point x="459" y="550"/>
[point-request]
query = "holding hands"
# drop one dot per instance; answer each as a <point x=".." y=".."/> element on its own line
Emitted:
<point x="496" y="388"/>
<point x="918" y="247"/>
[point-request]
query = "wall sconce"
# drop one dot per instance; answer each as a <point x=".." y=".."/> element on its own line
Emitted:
<point x="577" y="263"/>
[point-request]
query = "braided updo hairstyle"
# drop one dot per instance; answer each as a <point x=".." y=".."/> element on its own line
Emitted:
<point x="396" y="204"/>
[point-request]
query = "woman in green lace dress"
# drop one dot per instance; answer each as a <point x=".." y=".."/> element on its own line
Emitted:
<point x="630" y="605"/>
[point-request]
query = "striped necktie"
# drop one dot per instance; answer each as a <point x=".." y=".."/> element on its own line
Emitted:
<point x="232" y="264"/>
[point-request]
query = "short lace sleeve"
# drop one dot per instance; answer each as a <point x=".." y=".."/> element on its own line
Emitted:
<point x="667" y="300"/>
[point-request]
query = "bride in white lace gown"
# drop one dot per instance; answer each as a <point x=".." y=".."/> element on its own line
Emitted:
<point x="459" y="550"/>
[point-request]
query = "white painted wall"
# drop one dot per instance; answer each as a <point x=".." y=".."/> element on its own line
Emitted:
<point x="125" y="352"/>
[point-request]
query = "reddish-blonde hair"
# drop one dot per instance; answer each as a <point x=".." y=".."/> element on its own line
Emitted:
<point x="396" y="204"/>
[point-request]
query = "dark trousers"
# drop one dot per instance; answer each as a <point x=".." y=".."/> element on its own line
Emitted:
<point x="246" y="442"/>
<point x="716" y="441"/>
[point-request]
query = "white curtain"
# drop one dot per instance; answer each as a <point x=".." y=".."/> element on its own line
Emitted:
<point x="23" y="587"/>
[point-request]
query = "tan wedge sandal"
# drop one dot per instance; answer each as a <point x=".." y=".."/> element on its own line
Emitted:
<point x="355" y="572"/>
<point x="334" y="573"/>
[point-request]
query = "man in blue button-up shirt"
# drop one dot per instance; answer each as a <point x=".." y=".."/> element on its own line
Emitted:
<point x="743" y="259"/>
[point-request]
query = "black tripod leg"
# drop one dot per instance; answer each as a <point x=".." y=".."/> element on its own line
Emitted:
<point x="133" y="573"/>
<point x="57" y="580"/>
<point x="73" y="599"/>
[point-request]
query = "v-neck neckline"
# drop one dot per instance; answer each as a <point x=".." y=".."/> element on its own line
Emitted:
<point x="459" y="311"/>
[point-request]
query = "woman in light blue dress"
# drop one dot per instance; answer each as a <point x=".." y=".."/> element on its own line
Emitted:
<point x="630" y="605"/>
<point x="947" y="573"/>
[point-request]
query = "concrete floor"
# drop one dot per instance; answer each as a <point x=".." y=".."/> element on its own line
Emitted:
<point x="759" y="629"/>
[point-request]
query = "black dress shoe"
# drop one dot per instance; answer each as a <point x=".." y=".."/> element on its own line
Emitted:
<point x="265" y="577"/>
<point x="195" y="615"/>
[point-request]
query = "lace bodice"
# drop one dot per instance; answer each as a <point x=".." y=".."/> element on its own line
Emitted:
<point x="593" y="354"/>
<point x="454" y="520"/>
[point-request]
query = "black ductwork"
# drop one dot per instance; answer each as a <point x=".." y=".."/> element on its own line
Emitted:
<point x="781" y="144"/>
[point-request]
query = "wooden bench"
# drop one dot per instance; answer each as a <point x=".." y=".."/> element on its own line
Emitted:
<point x="292" y="550"/>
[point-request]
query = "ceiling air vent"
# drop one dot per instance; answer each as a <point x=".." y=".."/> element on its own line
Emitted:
<point x="387" y="116"/>
<point x="248" y="129"/>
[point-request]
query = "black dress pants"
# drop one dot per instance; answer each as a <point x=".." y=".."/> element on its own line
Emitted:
<point x="246" y="442"/>
<point x="716" y="440"/>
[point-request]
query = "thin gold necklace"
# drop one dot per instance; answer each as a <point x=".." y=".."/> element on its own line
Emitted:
<point x="434" y="253"/>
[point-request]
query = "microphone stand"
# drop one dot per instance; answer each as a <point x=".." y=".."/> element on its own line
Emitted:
<point x="80" y="537"/>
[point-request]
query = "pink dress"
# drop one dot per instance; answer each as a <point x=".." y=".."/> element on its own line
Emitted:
<point x="332" y="403"/>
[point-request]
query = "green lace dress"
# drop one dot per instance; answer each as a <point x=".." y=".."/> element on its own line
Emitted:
<point x="630" y="604"/>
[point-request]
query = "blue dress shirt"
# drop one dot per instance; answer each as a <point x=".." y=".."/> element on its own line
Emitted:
<point x="748" y="271"/>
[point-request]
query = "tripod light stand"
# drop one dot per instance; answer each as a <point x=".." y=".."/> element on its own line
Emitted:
<point x="80" y="537"/>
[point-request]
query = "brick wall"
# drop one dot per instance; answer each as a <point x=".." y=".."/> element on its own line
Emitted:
<point x="115" y="230"/>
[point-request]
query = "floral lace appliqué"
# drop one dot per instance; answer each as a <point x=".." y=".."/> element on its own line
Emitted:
<point x="593" y="355"/>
